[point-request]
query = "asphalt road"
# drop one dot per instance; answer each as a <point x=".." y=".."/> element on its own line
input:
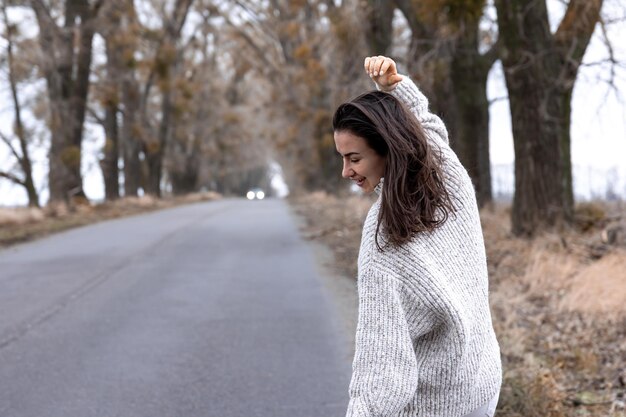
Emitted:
<point x="213" y="309"/>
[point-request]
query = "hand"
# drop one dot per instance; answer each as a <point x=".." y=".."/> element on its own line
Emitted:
<point x="383" y="71"/>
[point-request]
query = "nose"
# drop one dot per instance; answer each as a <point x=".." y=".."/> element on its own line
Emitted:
<point x="347" y="172"/>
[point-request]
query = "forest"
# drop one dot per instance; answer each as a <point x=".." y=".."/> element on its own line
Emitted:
<point x="211" y="94"/>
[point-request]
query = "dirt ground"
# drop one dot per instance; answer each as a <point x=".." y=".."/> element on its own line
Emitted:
<point x="558" y="302"/>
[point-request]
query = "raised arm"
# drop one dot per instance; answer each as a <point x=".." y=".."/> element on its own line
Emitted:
<point x="384" y="73"/>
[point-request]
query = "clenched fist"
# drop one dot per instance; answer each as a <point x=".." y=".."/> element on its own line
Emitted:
<point x="383" y="71"/>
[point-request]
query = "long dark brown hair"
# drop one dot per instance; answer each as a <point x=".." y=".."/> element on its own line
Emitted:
<point x="414" y="197"/>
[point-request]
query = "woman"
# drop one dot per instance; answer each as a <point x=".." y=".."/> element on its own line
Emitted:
<point x="425" y="344"/>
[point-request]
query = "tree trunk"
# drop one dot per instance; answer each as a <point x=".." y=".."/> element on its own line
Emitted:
<point x="469" y="72"/>
<point x="131" y="131"/>
<point x="185" y="181"/>
<point x="539" y="170"/>
<point x="540" y="70"/>
<point x="67" y="75"/>
<point x="64" y="158"/>
<point x="110" y="171"/>
<point x="80" y="87"/>
<point x="531" y="68"/>
<point x="131" y="135"/>
<point x="472" y="133"/>
<point x="155" y="150"/>
<point x="109" y="163"/>
<point x="165" y="65"/>
<point x="378" y="27"/>
<point x="566" y="148"/>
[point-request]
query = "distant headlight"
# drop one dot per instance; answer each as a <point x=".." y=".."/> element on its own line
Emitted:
<point x="260" y="195"/>
<point x="250" y="195"/>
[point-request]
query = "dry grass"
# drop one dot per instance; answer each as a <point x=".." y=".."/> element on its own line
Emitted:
<point x="24" y="224"/>
<point x="599" y="287"/>
<point x="336" y="222"/>
<point x="21" y="215"/>
<point x="558" y="303"/>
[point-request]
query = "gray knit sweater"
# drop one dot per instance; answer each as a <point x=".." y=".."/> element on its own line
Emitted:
<point x="425" y="344"/>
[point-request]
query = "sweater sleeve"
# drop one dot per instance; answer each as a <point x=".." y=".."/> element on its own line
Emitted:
<point x="384" y="377"/>
<point x="407" y="92"/>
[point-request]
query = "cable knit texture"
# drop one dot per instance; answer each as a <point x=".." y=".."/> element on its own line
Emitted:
<point x="425" y="344"/>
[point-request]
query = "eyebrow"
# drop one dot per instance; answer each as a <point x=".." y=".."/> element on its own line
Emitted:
<point x="350" y="154"/>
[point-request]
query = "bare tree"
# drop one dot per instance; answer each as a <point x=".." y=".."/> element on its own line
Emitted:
<point x="140" y="84"/>
<point x="106" y="93"/>
<point x="166" y="64"/>
<point x="197" y="97"/>
<point x="66" y="62"/>
<point x="295" y="50"/>
<point x="540" y="71"/>
<point x="25" y="178"/>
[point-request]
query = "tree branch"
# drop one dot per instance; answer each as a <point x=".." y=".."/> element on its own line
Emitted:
<point x="496" y="99"/>
<point x="13" y="178"/>
<point x="407" y="7"/>
<point x="577" y="26"/>
<point x="43" y="16"/>
<point x="172" y="29"/>
<point x="11" y="148"/>
<point x="95" y="115"/>
<point x="262" y="29"/>
<point x="269" y="64"/>
<point x="610" y="49"/>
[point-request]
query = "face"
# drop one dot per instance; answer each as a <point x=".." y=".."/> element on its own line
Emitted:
<point x="360" y="162"/>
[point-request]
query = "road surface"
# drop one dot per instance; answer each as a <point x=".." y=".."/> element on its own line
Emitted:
<point x="213" y="309"/>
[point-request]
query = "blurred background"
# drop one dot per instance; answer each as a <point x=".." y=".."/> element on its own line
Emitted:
<point x="103" y="99"/>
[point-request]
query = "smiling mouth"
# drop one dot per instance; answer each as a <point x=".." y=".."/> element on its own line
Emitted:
<point x="359" y="182"/>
